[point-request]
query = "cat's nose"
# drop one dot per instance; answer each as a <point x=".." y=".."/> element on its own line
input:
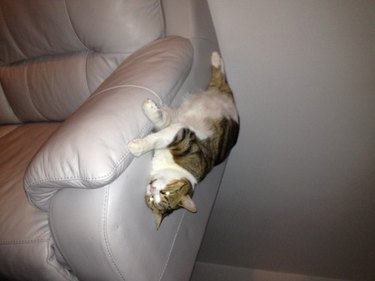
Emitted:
<point x="151" y="187"/>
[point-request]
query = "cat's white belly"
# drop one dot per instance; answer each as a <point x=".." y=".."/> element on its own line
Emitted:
<point x="163" y="161"/>
<point x="206" y="105"/>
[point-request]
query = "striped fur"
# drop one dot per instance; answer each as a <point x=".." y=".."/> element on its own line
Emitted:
<point x="189" y="141"/>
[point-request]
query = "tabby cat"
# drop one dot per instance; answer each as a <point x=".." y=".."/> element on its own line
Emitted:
<point x="188" y="142"/>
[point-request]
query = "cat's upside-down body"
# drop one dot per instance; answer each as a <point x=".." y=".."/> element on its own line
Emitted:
<point x="188" y="142"/>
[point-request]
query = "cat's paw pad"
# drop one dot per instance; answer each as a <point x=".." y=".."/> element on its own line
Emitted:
<point x="215" y="59"/>
<point x="136" y="147"/>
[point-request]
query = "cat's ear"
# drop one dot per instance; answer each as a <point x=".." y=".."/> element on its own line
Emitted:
<point x="158" y="219"/>
<point x="188" y="204"/>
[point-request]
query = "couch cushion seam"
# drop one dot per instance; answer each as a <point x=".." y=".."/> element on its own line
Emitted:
<point x="172" y="245"/>
<point x="30" y="96"/>
<point x="105" y="234"/>
<point x="107" y="175"/>
<point x="56" y="268"/>
<point x="72" y="26"/>
<point x="20" y="242"/>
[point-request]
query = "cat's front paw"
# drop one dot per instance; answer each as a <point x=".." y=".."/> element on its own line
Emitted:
<point x="152" y="111"/>
<point x="136" y="147"/>
<point x="150" y="107"/>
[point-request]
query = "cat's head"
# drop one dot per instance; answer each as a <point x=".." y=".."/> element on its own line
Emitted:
<point x="165" y="194"/>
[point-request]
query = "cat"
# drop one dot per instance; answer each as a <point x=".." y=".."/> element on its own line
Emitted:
<point x="188" y="142"/>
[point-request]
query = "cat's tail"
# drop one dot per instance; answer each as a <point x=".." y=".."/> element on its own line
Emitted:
<point x="218" y="79"/>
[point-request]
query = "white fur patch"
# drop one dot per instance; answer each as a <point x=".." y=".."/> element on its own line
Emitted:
<point x="166" y="170"/>
<point x="215" y="59"/>
<point x="203" y="105"/>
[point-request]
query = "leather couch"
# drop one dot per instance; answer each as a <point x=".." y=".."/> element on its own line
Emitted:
<point x="73" y="76"/>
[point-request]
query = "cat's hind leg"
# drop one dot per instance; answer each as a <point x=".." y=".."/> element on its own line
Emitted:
<point x="217" y="71"/>
<point x="218" y="78"/>
<point x="217" y="61"/>
<point x="159" y="117"/>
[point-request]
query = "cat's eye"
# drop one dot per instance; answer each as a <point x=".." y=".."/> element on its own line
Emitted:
<point x="165" y="192"/>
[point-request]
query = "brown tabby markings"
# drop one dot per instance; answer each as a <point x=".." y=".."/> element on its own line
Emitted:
<point x="176" y="195"/>
<point x="218" y="81"/>
<point x="200" y="156"/>
<point x="170" y="195"/>
<point x="195" y="155"/>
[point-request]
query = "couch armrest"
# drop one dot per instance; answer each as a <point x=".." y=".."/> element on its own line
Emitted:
<point x="89" y="150"/>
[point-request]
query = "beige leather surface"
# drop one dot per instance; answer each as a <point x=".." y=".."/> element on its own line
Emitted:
<point x="107" y="121"/>
<point x="24" y="230"/>
<point x="57" y="27"/>
<point x="99" y="222"/>
<point x="7" y="115"/>
<point x="61" y="51"/>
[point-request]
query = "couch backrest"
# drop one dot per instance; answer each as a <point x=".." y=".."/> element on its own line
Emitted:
<point x="54" y="53"/>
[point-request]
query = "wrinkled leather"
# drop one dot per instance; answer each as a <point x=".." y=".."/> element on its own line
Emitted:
<point x="67" y="159"/>
<point x="43" y="94"/>
<point x="80" y="61"/>
<point x="7" y="115"/>
<point x="57" y="27"/>
<point x="114" y="223"/>
<point x="25" y="237"/>
<point x="74" y="43"/>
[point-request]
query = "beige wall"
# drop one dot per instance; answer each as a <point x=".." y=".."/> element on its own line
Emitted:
<point x="299" y="191"/>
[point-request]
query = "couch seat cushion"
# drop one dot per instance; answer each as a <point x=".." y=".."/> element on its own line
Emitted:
<point x="26" y="246"/>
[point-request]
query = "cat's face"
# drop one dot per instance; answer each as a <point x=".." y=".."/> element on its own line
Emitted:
<point x="166" y="194"/>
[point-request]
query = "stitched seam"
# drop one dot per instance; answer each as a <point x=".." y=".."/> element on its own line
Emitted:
<point x="20" y="242"/>
<point x="108" y="175"/>
<point x="105" y="233"/>
<point x="163" y="25"/>
<point x="86" y="73"/>
<point x="122" y="159"/>
<point x="52" y="223"/>
<point x="11" y="131"/>
<point x="71" y="276"/>
<point x="71" y="24"/>
<point x="172" y="245"/>
<point x="48" y="263"/>
<point x="11" y="35"/>
<point x="126" y="155"/>
<point x="6" y="98"/>
<point x="130" y="86"/>
<point x="28" y="93"/>
<point x="60" y="270"/>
